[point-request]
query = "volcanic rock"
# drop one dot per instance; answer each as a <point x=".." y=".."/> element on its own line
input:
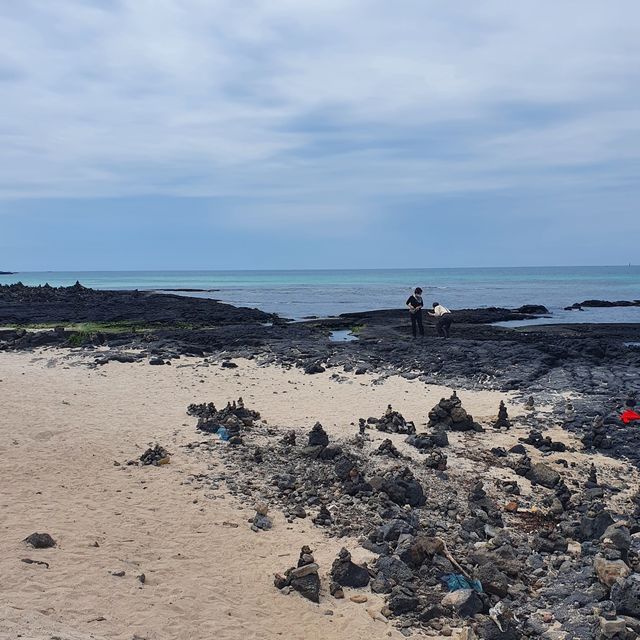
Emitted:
<point x="393" y="422"/>
<point x="304" y="578"/>
<point x="393" y="569"/>
<point x="625" y="594"/>
<point x="348" y="574"/>
<point x="436" y="460"/>
<point x="596" y="436"/>
<point x="402" y="600"/>
<point x="403" y="488"/>
<point x="156" y="456"/>
<point x="40" y="540"/>
<point x="493" y="580"/>
<point x="387" y="448"/>
<point x="543" y="474"/>
<point x="323" y="518"/>
<point x="543" y="443"/>
<point x="465" y="602"/>
<point x="449" y="415"/>
<point x="609" y="571"/>
<point x="502" y="421"/>
<point x="318" y="436"/>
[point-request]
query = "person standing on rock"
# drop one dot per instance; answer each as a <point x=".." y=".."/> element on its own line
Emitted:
<point x="415" y="304"/>
<point x="443" y="319"/>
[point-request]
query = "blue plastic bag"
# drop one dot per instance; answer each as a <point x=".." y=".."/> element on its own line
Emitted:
<point x="456" y="581"/>
<point x="223" y="433"/>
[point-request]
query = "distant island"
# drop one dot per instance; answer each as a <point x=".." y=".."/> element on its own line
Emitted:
<point x="7" y="273"/>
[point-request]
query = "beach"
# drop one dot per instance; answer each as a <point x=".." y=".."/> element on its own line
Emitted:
<point x="178" y="550"/>
<point x="203" y="577"/>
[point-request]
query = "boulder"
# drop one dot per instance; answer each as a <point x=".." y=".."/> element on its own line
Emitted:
<point x="608" y="571"/>
<point x="40" y="540"/>
<point x="493" y="580"/>
<point x="464" y="602"/>
<point x="348" y="574"/>
<point x="402" y="600"/>
<point x="625" y="594"/>
<point x="543" y="474"/>
<point x="392" y="568"/>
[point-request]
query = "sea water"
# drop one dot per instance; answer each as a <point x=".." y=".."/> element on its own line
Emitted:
<point x="299" y="294"/>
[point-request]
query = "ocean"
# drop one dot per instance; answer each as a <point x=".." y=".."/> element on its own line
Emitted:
<point x="299" y="294"/>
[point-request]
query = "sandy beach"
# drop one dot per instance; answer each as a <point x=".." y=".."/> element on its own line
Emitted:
<point x="64" y="426"/>
<point x="69" y="429"/>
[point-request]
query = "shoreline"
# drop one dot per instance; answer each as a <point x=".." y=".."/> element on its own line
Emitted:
<point x="512" y="500"/>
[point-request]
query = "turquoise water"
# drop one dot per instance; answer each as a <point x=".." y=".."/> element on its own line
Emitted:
<point x="297" y="294"/>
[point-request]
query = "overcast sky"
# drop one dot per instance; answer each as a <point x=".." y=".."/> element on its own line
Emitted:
<point x="203" y="134"/>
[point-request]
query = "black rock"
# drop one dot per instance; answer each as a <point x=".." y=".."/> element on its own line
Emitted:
<point x="40" y="540"/>
<point x="348" y="574"/>
<point x="403" y="488"/>
<point x="625" y="594"/>
<point x="392" y="568"/>
<point x="502" y="421"/>
<point x="387" y="448"/>
<point x="544" y="475"/>
<point x="156" y="456"/>
<point x="314" y="368"/>
<point x="593" y="527"/>
<point x="402" y="600"/>
<point x="393" y="422"/>
<point x="308" y="586"/>
<point x="493" y="580"/>
<point x="465" y="602"/>
<point x="318" y="436"/>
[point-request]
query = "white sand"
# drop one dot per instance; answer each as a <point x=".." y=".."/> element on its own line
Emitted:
<point x="62" y="426"/>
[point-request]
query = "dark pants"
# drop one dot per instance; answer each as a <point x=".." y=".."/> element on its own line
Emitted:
<point x="416" y="323"/>
<point x="443" y="323"/>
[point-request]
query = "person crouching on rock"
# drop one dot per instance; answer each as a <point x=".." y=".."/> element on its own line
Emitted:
<point x="415" y="304"/>
<point x="443" y="319"/>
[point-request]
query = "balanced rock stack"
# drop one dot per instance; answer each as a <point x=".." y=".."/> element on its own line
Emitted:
<point x="318" y="444"/>
<point x="234" y="417"/>
<point x="323" y="519"/>
<point x="596" y="436"/>
<point x="387" y="448"/>
<point x="393" y="422"/>
<point x="543" y="443"/>
<point x="156" y="456"/>
<point x="502" y="421"/>
<point x="449" y="415"/>
<point x="304" y="578"/>
<point x="261" y="520"/>
<point x="436" y="460"/>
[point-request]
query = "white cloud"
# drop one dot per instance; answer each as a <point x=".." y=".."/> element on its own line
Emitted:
<point x="319" y="106"/>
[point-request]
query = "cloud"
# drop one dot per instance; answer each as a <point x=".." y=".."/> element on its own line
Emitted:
<point x="303" y="111"/>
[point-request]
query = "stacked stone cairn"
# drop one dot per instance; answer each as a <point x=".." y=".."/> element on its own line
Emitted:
<point x="234" y="417"/>
<point x="155" y="456"/>
<point x="318" y="444"/>
<point x="596" y="436"/>
<point x="502" y="421"/>
<point x="303" y="578"/>
<point x="449" y="415"/>
<point x="392" y="422"/>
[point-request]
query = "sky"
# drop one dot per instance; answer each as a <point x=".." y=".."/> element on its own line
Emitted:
<point x="274" y="134"/>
